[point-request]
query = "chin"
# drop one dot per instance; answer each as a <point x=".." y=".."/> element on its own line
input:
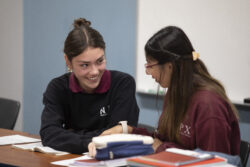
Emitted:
<point x="94" y="86"/>
<point x="164" y="85"/>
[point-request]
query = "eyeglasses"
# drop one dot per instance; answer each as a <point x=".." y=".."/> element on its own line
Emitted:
<point x="150" y="65"/>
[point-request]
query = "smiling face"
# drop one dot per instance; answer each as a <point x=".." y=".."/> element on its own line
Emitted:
<point x="88" y="67"/>
<point x="160" y="73"/>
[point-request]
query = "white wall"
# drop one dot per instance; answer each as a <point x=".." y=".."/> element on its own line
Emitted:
<point x="11" y="55"/>
<point x="218" y="30"/>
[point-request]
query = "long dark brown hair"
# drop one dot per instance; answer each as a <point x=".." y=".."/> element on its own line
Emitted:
<point x="171" y="44"/>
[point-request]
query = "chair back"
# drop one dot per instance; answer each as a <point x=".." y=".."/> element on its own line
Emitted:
<point x="244" y="152"/>
<point x="9" y="110"/>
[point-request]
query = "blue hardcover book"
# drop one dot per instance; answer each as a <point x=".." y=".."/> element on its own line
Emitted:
<point x="122" y="145"/>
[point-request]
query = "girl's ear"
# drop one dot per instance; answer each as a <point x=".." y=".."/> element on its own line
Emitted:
<point x="68" y="63"/>
<point x="170" y="66"/>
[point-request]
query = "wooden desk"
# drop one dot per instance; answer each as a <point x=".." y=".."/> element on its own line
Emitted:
<point x="25" y="158"/>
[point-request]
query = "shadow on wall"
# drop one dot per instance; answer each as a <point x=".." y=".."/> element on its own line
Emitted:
<point x="151" y="101"/>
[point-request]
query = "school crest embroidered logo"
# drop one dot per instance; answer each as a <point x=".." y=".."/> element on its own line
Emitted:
<point x="103" y="112"/>
<point x="185" y="130"/>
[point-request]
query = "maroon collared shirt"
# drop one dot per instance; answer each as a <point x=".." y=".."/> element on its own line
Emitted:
<point x="103" y="86"/>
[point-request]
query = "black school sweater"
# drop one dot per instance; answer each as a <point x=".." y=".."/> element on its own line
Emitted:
<point x="70" y="119"/>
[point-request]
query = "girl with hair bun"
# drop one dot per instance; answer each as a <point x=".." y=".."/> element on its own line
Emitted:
<point x="196" y="111"/>
<point x="88" y="99"/>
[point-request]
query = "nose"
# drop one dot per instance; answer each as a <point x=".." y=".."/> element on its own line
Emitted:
<point x="147" y="71"/>
<point x="94" y="70"/>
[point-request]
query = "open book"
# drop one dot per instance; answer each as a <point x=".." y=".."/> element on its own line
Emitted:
<point x="175" y="157"/>
<point x="39" y="148"/>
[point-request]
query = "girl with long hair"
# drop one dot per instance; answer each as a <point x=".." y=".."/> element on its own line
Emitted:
<point x="197" y="112"/>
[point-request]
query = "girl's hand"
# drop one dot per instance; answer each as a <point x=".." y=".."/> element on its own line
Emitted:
<point x="156" y="143"/>
<point x="114" y="130"/>
<point x="92" y="149"/>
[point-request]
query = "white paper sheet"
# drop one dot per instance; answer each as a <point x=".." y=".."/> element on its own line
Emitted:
<point x="109" y="163"/>
<point x="14" y="139"/>
<point x="67" y="162"/>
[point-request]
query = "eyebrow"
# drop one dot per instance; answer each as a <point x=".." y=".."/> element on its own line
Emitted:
<point x="89" y="61"/>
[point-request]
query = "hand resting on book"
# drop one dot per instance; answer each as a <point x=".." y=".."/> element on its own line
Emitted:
<point x="116" y="129"/>
<point x="156" y="144"/>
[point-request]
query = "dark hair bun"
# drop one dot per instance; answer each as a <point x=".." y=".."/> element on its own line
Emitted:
<point x="81" y="22"/>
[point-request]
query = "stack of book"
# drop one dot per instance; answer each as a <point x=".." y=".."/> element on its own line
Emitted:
<point x="177" y="157"/>
<point x="170" y="158"/>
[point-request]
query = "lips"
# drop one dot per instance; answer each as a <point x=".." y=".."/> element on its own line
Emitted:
<point x="93" y="79"/>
